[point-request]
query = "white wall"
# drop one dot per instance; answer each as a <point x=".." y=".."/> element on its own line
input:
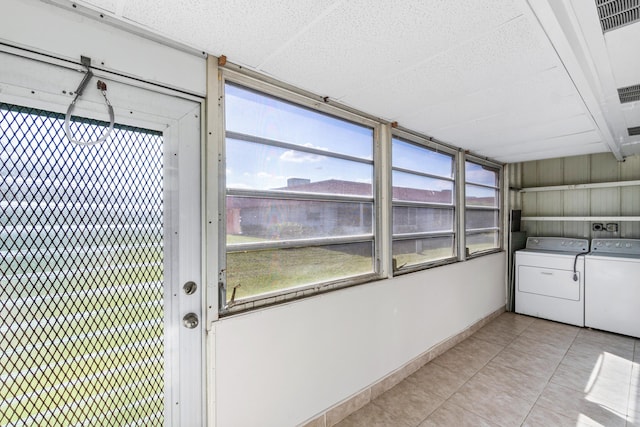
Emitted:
<point x="282" y="365"/>
<point x="67" y="35"/>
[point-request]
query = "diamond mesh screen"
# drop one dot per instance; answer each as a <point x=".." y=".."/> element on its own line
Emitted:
<point x="81" y="256"/>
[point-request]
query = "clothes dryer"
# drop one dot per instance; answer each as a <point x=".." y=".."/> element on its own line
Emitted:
<point x="550" y="279"/>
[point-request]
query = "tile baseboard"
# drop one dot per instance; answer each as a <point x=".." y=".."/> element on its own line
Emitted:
<point x="343" y="409"/>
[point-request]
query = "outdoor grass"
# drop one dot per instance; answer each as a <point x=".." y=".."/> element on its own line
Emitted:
<point x="260" y="272"/>
<point x="265" y="271"/>
<point x="84" y="342"/>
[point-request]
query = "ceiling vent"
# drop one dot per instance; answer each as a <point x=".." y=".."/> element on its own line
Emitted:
<point x="634" y="131"/>
<point x="629" y="93"/>
<point x="617" y="13"/>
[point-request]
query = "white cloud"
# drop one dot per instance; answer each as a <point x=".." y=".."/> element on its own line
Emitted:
<point x="299" y="157"/>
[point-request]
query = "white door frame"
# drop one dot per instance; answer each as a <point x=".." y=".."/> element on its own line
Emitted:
<point x="36" y="81"/>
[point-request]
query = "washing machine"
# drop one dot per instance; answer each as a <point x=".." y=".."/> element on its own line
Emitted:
<point x="550" y="279"/>
<point x="612" y="286"/>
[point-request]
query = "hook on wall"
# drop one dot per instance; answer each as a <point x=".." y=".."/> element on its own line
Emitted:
<point x="102" y="87"/>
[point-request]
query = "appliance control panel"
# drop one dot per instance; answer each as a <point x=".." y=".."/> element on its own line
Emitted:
<point x="616" y="246"/>
<point x="559" y="244"/>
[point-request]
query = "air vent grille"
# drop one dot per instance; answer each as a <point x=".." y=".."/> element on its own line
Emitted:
<point x="629" y="93"/>
<point x="617" y="13"/>
<point x="634" y="131"/>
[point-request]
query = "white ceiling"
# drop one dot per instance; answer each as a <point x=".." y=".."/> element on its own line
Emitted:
<point x="512" y="80"/>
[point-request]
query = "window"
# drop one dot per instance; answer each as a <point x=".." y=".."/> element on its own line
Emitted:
<point x="299" y="198"/>
<point x="423" y="205"/>
<point x="482" y="200"/>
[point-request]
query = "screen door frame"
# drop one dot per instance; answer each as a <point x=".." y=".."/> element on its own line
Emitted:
<point x="46" y="84"/>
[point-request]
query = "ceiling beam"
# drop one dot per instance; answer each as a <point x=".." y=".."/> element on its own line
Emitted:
<point x="563" y="30"/>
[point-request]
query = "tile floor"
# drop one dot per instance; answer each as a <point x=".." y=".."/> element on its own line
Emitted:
<point x="518" y="371"/>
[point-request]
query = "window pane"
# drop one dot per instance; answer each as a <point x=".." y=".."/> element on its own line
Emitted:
<point x="263" y="167"/>
<point x="262" y="213"/>
<point x="481" y="219"/>
<point x="252" y="219"/>
<point x="415" y="188"/>
<point x="421" y="159"/>
<point x="409" y="219"/>
<point x="419" y="251"/>
<point x="252" y="113"/>
<point x="481" y="196"/>
<point x="482" y="241"/>
<point x="259" y="272"/>
<point x="479" y="174"/>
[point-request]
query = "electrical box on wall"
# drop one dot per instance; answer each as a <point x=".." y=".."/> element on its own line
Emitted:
<point x="612" y="226"/>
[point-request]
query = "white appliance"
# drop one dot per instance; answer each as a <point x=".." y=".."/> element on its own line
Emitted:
<point x="612" y="286"/>
<point x="550" y="279"/>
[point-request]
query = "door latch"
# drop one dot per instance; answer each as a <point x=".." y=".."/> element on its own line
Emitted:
<point x="190" y="321"/>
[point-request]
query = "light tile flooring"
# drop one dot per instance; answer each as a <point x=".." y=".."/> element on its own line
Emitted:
<point x="518" y="371"/>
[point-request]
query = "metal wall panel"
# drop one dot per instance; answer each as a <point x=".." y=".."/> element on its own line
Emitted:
<point x="550" y="172"/>
<point x="576" y="169"/>
<point x="604" y="168"/>
<point x="530" y="200"/>
<point x="610" y="201"/>
<point x="630" y="196"/>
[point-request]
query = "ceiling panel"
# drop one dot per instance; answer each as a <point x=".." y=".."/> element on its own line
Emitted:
<point x="247" y="31"/>
<point x="507" y="79"/>
<point x="544" y="144"/>
<point x="631" y="113"/>
<point x="535" y="99"/>
<point x="554" y="153"/>
<point x="493" y="59"/>
<point x="622" y="46"/>
<point x="359" y="45"/>
<point x="489" y="140"/>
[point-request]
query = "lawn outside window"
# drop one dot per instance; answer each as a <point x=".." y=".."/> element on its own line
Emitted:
<point x="482" y="200"/>
<point x="423" y="205"/>
<point x="299" y="199"/>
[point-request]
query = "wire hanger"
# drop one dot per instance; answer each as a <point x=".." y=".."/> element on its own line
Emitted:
<point x="102" y="87"/>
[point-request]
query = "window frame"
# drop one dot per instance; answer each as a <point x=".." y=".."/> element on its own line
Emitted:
<point x="381" y="197"/>
<point x="499" y="169"/>
<point x="429" y="145"/>
<point x="319" y="105"/>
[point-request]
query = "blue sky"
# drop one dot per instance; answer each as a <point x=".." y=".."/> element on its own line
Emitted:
<point x="261" y="167"/>
<point x="258" y="166"/>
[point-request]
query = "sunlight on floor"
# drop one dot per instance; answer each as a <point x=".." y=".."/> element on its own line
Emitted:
<point x="608" y="386"/>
